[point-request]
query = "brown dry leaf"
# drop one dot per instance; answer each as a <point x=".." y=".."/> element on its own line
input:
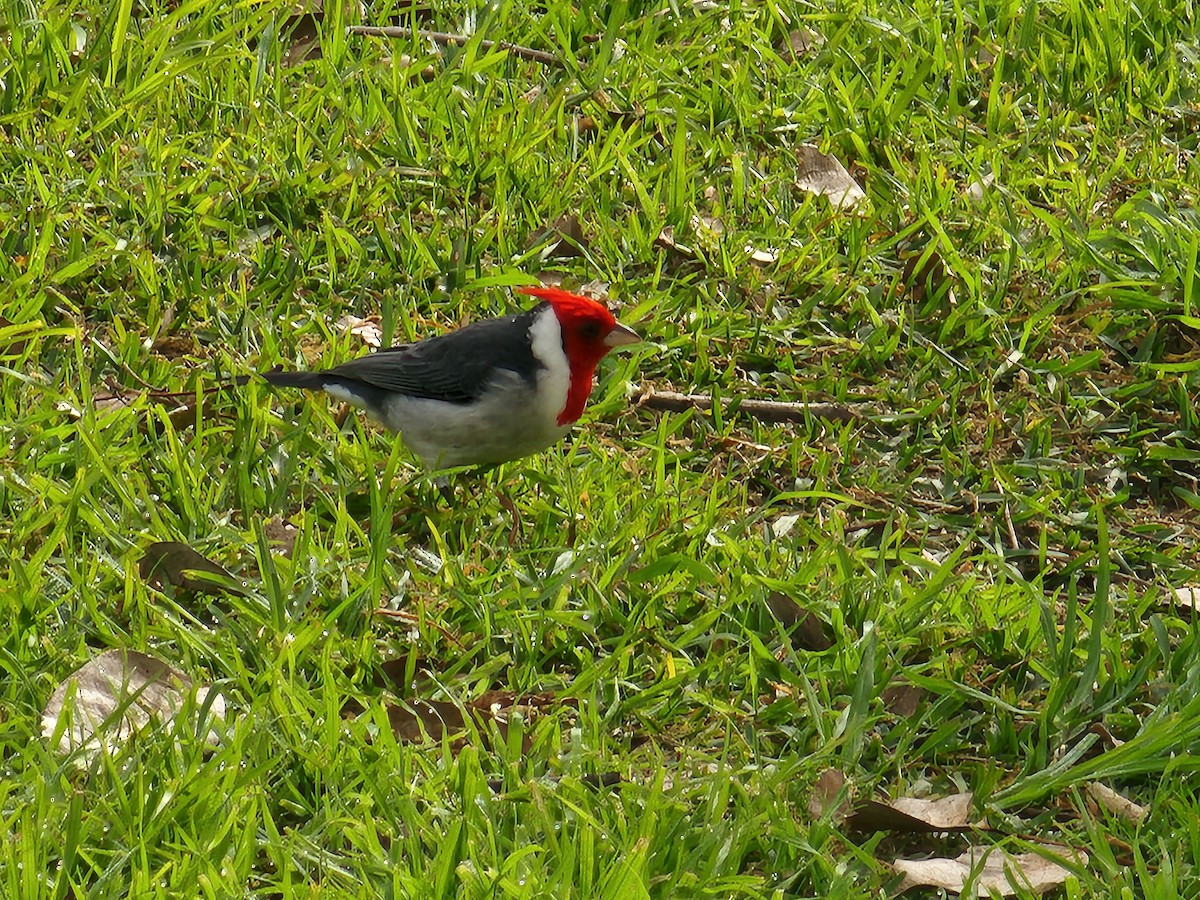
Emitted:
<point x="985" y="871"/>
<point x="942" y="813"/>
<point x="1115" y="803"/>
<point x="806" y="631"/>
<point x="666" y="241"/>
<point x="708" y="228"/>
<point x="416" y="720"/>
<point x="174" y="346"/>
<point x="801" y="42"/>
<point x="183" y="414"/>
<point x="301" y="35"/>
<point x="1188" y="597"/>
<point x="823" y="801"/>
<point x="761" y="256"/>
<point x="182" y="408"/>
<point x="915" y="816"/>
<point x="902" y="699"/>
<point x="281" y="534"/>
<point x="391" y="674"/>
<point x="823" y="175"/>
<point x="174" y="563"/>
<point x="367" y="330"/>
<point x="105" y="701"/>
<point x="925" y="276"/>
<point x="564" y="239"/>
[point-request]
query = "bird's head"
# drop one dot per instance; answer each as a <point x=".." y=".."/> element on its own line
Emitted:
<point x="589" y="331"/>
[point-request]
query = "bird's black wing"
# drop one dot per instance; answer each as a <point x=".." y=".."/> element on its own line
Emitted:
<point x="454" y="367"/>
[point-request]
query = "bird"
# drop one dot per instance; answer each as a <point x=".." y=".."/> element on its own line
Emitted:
<point x="490" y="392"/>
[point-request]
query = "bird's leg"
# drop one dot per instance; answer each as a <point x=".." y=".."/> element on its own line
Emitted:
<point x="518" y="523"/>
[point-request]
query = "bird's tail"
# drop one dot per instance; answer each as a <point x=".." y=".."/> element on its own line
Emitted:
<point x="312" y="381"/>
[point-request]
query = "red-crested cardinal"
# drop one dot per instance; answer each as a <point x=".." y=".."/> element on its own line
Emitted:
<point x="493" y="391"/>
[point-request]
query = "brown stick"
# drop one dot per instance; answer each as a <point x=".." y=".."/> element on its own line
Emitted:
<point x="763" y="410"/>
<point x="443" y="37"/>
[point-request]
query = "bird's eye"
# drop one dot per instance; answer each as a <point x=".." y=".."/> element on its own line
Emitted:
<point x="589" y="331"/>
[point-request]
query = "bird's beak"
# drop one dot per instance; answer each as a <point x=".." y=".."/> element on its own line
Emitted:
<point x="620" y="336"/>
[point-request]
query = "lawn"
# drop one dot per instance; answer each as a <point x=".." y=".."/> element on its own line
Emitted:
<point x="923" y="609"/>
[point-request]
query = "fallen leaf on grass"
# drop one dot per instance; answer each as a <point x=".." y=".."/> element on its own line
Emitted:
<point x="800" y="42"/>
<point x="806" y="631"/>
<point x="1110" y="800"/>
<point x="418" y="720"/>
<point x="367" y="330"/>
<point x="281" y="534"/>
<point x="925" y="276"/>
<point x="300" y="31"/>
<point x="174" y="563"/>
<point x="977" y="188"/>
<point x="902" y="699"/>
<point x="762" y="256"/>
<point x="563" y="240"/>
<point x="912" y="815"/>
<point x="183" y="410"/>
<point x="1188" y="597"/>
<point x="985" y="871"/>
<point x="708" y="231"/>
<point x="666" y="241"/>
<point x="174" y="346"/>
<point x="823" y="801"/>
<point x="821" y="174"/>
<point x="105" y="701"/>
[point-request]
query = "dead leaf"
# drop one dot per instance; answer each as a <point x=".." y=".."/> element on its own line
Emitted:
<point x="760" y="256"/>
<point x="1188" y="597"/>
<point x="823" y="801"/>
<point x="281" y="534"/>
<point x="418" y="720"/>
<point x="367" y="330"/>
<point x="911" y="815"/>
<point x="985" y="871"/>
<point x="414" y="721"/>
<point x="105" y="701"/>
<point x="666" y="241"/>
<point x="806" y="631"/>
<point x="942" y="813"/>
<point x="597" y="289"/>
<point x="391" y="674"/>
<point x="821" y="174"/>
<point x="924" y="276"/>
<point x="902" y="699"/>
<point x="708" y="228"/>
<point x="800" y="42"/>
<point x="1115" y="803"/>
<point x="300" y="33"/>
<point x="183" y="409"/>
<point x="564" y="239"/>
<point x="178" y="564"/>
<point x="1108" y="740"/>
<point x="977" y="189"/>
<point x="174" y="346"/>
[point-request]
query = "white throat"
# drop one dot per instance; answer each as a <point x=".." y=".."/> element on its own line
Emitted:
<point x="555" y="379"/>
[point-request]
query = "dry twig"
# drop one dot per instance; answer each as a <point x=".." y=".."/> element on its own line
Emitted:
<point x="446" y="38"/>
<point x="763" y="410"/>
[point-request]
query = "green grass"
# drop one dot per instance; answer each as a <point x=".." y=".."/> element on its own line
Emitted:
<point x="1004" y="528"/>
